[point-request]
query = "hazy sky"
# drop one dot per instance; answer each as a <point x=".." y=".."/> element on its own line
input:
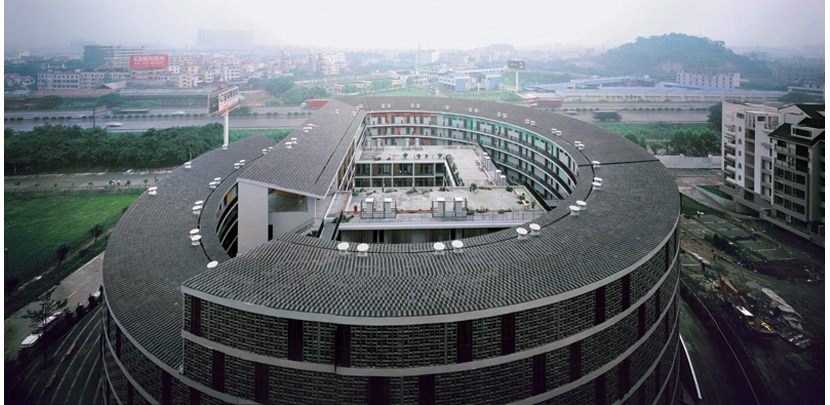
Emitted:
<point x="435" y="24"/>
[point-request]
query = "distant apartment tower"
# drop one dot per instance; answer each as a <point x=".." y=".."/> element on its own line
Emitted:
<point x="773" y="164"/>
<point x="223" y="39"/>
<point x="101" y="54"/>
<point x="710" y="79"/>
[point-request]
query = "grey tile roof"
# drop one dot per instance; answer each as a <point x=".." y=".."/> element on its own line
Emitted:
<point x="636" y="209"/>
<point x="149" y="253"/>
<point x="149" y="257"/>
<point x="325" y="144"/>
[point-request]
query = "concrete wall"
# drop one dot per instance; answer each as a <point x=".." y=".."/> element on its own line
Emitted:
<point x="688" y="162"/>
<point x="253" y="207"/>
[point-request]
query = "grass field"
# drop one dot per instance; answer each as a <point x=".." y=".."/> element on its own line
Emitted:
<point x="276" y="134"/>
<point x="691" y="207"/>
<point x="716" y="191"/>
<point x="653" y="130"/>
<point x="37" y="223"/>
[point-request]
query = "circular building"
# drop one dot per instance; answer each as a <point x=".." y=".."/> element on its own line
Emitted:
<point x="401" y="250"/>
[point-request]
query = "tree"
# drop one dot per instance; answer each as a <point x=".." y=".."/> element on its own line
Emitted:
<point x="62" y="251"/>
<point x="639" y="140"/>
<point x="255" y="82"/>
<point x="277" y="87"/>
<point x="349" y="89"/>
<point x="607" y="115"/>
<point x="38" y="317"/>
<point x="96" y="232"/>
<point x="110" y="100"/>
<point x="715" y="118"/>
<point x="50" y="102"/>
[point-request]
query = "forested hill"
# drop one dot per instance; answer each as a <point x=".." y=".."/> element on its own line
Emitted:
<point x="663" y="56"/>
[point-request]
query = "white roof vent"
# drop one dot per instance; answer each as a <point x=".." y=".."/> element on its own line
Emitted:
<point x="218" y="179"/>
<point x="200" y="202"/>
<point x="362" y="249"/>
<point x="470" y="109"/>
<point x="305" y="130"/>
<point x="580" y="147"/>
<point x="195" y="240"/>
<point x="242" y="162"/>
<point x="504" y="115"/>
<point x="596" y="185"/>
<point x="418" y="105"/>
<point x="457" y="246"/>
<point x="582" y="205"/>
<point x="446" y="106"/>
<point x="212" y="184"/>
<point x="574" y="210"/>
<point x="152" y="190"/>
<point x="595" y="163"/>
<point x="337" y="111"/>
<point x="533" y="123"/>
<point x="343" y="248"/>
<point x="360" y="106"/>
<point x="553" y="130"/>
<point x="598" y="179"/>
<point x="522" y="233"/>
<point x="411" y="105"/>
<point x="213" y="264"/>
<point x="236" y="166"/>
<point x="197" y="209"/>
<point x="270" y="148"/>
<point x="194" y="231"/>
<point x="288" y="145"/>
<point x="498" y="114"/>
<point x="527" y="121"/>
<point x="439" y="248"/>
<point x="535" y="229"/>
<point x="187" y="165"/>
<point x="475" y="110"/>
<point x="354" y="113"/>
<point x="265" y="151"/>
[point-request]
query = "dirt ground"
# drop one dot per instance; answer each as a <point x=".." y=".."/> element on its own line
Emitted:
<point x="792" y="374"/>
<point x="256" y="98"/>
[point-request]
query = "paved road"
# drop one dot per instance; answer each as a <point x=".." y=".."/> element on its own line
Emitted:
<point x="75" y="289"/>
<point x="76" y="376"/>
<point x="143" y="124"/>
<point x="81" y="180"/>
<point x="717" y="385"/>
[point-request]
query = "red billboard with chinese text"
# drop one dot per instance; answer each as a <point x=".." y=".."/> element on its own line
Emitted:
<point x="148" y="61"/>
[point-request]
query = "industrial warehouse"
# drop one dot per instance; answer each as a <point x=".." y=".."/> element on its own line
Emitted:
<point x="401" y="250"/>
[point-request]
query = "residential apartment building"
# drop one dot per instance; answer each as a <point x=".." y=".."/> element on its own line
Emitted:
<point x="710" y="79"/>
<point x="72" y="80"/>
<point x="773" y="164"/>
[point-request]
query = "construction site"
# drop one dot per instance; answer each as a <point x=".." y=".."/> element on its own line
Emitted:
<point x="758" y="294"/>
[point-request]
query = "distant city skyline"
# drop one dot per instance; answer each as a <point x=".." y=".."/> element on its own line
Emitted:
<point x="433" y="24"/>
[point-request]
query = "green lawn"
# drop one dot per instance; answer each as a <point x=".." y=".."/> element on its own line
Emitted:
<point x="276" y="134"/>
<point x="691" y="207"/>
<point x="37" y="223"/>
<point x="716" y="191"/>
<point x="652" y="130"/>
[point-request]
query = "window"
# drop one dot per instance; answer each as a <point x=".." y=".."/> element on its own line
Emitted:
<point x="508" y="334"/>
<point x="295" y="340"/>
<point x="464" y="343"/>
<point x="539" y="374"/>
<point x="575" y="357"/>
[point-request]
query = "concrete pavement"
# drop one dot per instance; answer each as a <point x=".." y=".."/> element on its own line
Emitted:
<point x="74" y="289"/>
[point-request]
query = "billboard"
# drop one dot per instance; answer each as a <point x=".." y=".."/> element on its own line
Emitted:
<point x="148" y="61"/>
<point x="223" y="101"/>
<point x="516" y="64"/>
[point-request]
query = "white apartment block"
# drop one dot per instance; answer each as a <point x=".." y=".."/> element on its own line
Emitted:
<point x="773" y="164"/>
<point x="76" y="80"/>
<point x="710" y="79"/>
